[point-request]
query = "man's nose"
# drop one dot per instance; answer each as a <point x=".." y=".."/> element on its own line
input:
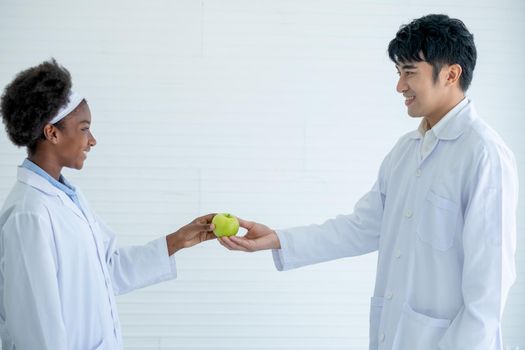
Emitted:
<point x="401" y="85"/>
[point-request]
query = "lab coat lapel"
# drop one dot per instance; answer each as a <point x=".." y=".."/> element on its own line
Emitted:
<point x="452" y="131"/>
<point x="67" y="202"/>
<point x="36" y="181"/>
<point x="457" y="125"/>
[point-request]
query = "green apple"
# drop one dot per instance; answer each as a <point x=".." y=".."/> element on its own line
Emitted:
<point x="225" y="225"/>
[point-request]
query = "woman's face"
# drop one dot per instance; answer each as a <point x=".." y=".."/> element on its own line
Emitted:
<point x="74" y="138"/>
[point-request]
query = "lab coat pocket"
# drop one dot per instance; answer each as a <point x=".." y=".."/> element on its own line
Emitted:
<point x="417" y="331"/>
<point x="438" y="222"/>
<point x="100" y="346"/>
<point x="376" y="307"/>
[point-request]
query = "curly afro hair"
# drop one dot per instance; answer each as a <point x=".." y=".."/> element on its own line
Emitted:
<point x="31" y="100"/>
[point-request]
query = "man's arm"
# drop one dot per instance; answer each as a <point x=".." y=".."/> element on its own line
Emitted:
<point x="346" y="235"/>
<point x="343" y="236"/>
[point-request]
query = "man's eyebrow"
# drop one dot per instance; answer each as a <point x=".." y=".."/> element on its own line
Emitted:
<point x="408" y="66"/>
<point x="85" y="121"/>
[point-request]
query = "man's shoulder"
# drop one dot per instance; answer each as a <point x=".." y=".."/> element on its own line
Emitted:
<point x="481" y="137"/>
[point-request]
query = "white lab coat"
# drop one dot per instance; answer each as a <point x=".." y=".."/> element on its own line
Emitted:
<point x="445" y="230"/>
<point x="60" y="271"/>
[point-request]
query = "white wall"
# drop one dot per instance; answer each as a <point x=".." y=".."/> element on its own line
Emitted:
<point x="278" y="111"/>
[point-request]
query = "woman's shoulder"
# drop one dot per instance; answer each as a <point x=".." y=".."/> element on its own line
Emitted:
<point x="24" y="200"/>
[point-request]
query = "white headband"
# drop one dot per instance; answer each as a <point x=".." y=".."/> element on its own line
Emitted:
<point x="74" y="101"/>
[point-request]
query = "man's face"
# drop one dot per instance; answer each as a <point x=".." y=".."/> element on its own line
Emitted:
<point x="423" y="96"/>
<point x="75" y="138"/>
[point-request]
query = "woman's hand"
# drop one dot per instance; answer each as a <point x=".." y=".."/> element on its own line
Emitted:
<point x="197" y="231"/>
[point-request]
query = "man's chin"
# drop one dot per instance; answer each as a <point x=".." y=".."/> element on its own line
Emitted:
<point x="414" y="114"/>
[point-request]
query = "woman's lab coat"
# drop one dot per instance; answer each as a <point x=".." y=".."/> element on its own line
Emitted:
<point x="445" y="230"/>
<point x="60" y="271"/>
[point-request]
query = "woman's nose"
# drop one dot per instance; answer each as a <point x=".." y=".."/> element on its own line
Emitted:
<point x="92" y="140"/>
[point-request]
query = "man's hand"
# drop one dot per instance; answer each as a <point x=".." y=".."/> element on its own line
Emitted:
<point x="197" y="231"/>
<point x="258" y="237"/>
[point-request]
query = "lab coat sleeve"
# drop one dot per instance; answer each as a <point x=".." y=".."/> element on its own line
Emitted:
<point x="136" y="267"/>
<point x="31" y="295"/>
<point x="342" y="236"/>
<point x="489" y="243"/>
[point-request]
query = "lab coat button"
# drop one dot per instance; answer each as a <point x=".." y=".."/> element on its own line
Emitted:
<point x="398" y="254"/>
<point x="382" y="337"/>
<point x="389" y="296"/>
<point x="418" y="172"/>
<point x="408" y="213"/>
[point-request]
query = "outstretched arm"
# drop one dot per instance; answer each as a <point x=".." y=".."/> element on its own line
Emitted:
<point x="135" y="267"/>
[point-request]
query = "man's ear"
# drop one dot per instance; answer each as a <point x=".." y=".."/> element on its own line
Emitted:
<point x="51" y="133"/>
<point x="453" y="72"/>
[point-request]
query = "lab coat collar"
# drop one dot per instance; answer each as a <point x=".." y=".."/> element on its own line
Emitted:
<point x="36" y="181"/>
<point x="455" y="126"/>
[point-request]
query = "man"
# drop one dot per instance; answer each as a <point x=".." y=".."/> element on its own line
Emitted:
<point x="442" y="213"/>
<point x="60" y="267"/>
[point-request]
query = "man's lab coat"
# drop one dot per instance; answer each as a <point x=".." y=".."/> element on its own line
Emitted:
<point x="445" y="230"/>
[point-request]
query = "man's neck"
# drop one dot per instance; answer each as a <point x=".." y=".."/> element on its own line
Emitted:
<point x="433" y="119"/>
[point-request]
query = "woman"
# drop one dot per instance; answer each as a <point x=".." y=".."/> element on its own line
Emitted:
<point x="60" y="268"/>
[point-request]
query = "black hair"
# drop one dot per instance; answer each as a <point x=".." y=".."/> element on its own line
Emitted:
<point x="438" y="40"/>
<point x="31" y="100"/>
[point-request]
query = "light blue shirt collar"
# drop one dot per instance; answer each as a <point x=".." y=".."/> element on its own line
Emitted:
<point x="62" y="185"/>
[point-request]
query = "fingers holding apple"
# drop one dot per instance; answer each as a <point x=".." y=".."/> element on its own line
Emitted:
<point x="231" y="243"/>
<point x="225" y="225"/>
<point x="246" y="224"/>
<point x="205" y="219"/>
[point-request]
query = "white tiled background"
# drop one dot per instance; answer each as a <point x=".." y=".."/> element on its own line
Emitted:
<point x="278" y="111"/>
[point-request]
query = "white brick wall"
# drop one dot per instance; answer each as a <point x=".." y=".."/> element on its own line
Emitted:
<point x="278" y="111"/>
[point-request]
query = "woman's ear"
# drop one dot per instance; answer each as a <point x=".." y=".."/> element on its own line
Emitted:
<point x="51" y="133"/>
